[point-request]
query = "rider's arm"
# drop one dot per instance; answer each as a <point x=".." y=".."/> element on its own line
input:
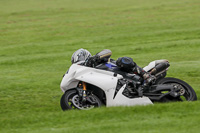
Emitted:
<point x="100" y="57"/>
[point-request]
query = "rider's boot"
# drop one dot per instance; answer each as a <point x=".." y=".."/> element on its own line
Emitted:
<point x="140" y="91"/>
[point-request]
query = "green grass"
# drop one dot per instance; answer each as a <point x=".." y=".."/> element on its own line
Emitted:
<point x="37" y="39"/>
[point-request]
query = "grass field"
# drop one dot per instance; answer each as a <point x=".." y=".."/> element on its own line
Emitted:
<point x="37" y="39"/>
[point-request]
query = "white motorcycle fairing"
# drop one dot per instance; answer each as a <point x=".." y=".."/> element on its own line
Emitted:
<point x="102" y="79"/>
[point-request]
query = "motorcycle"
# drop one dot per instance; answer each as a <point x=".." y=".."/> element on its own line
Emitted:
<point x="87" y="87"/>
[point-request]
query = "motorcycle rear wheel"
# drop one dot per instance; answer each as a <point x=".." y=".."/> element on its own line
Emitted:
<point x="188" y="93"/>
<point x="70" y="100"/>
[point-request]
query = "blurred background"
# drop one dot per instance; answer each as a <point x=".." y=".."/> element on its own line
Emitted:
<point x="37" y="39"/>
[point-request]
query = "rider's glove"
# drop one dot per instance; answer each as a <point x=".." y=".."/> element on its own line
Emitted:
<point x="92" y="61"/>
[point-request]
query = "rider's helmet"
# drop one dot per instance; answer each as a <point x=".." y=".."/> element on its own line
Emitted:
<point x="80" y="55"/>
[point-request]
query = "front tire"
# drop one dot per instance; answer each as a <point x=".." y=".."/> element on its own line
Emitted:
<point x="70" y="100"/>
<point x="188" y="93"/>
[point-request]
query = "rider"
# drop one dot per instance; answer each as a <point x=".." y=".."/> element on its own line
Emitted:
<point x="124" y="63"/>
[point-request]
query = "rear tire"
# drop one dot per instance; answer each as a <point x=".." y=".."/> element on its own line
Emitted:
<point x="70" y="100"/>
<point x="189" y="93"/>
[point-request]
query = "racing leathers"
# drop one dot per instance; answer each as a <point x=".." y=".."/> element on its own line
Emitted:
<point x="124" y="63"/>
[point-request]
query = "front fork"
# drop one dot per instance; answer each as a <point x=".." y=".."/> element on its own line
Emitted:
<point x="84" y="95"/>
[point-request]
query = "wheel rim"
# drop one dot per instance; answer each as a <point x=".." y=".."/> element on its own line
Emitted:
<point x="185" y="94"/>
<point x="73" y="101"/>
<point x="77" y="103"/>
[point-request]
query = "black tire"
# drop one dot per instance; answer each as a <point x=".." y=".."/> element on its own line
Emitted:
<point x="189" y="94"/>
<point x="67" y="101"/>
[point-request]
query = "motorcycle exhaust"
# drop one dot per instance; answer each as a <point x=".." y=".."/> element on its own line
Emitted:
<point x="159" y="68"/>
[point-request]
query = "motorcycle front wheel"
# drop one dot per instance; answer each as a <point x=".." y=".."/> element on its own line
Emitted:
<point x="187" y="93"/>
<point x="71" y="100"/>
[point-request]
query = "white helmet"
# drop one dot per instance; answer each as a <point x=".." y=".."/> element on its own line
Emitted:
<point x="80" y="55"/>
